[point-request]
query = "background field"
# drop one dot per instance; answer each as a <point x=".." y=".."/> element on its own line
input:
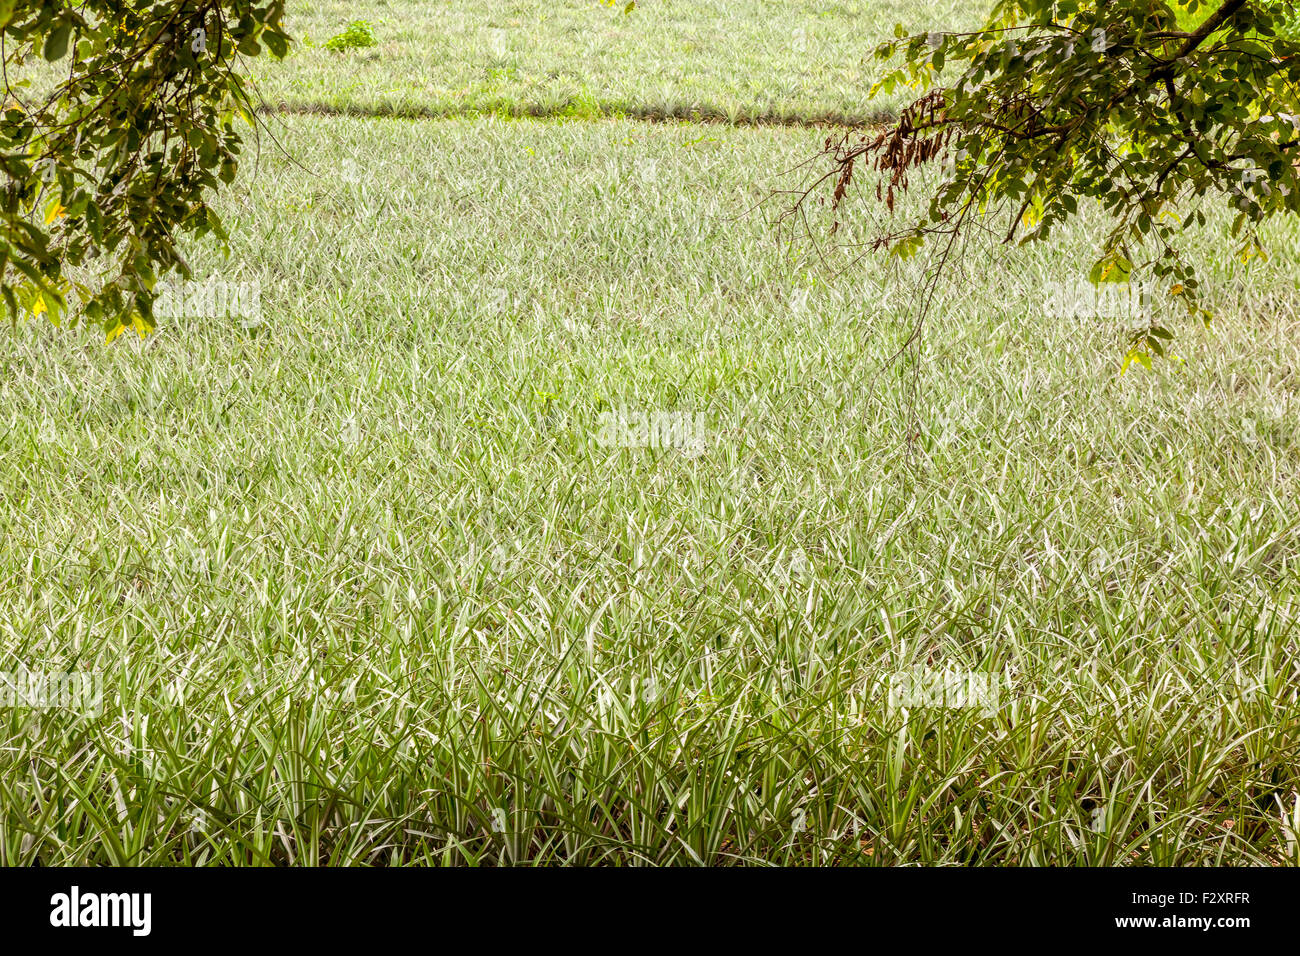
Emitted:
<point x="365" y="587"/>
<point x="733" y="59"/>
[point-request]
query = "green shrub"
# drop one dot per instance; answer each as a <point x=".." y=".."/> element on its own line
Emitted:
<point x="358" y="34"/>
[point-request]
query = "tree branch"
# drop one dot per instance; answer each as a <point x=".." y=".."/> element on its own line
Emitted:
<point x="1211" y="24"/>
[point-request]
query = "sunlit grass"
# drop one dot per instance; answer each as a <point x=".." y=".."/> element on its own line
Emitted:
<point x="365" y="587"/>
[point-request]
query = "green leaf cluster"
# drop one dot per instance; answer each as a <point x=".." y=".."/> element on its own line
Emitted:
<point x="119" y="120"/>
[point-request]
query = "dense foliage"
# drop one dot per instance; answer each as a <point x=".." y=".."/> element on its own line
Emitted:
<point x="120" y="117"/>
<point x="1135" y="105"/>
